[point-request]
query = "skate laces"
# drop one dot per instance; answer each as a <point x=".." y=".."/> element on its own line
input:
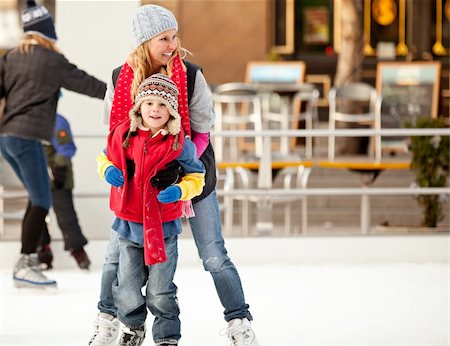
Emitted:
<point x="239" y="333"/>
<point x="105" y="331"/>
<point x="28" y="261"/>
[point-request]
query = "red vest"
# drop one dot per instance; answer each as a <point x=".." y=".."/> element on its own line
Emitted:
<point x="136" y="200"/>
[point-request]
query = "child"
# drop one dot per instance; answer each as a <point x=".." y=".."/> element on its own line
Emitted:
<point x="59" y="159"/>
<point x="148" y="220"/>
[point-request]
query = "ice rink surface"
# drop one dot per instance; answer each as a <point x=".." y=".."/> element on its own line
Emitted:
<point x="294" y="302"/>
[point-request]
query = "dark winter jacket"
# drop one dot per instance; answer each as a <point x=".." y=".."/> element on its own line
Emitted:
<point x="30" y="84"/>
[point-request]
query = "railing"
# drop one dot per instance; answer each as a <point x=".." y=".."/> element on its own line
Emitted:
<point x="265" y="190"/>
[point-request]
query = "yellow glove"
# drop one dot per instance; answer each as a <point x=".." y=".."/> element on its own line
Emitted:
<point x="102" y="164"/>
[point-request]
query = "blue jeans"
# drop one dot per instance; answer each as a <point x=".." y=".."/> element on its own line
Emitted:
<point x="206" y="228"/>
<point x="109" y="275"/>
<point x="28" y="160"/>
<point x="161" y="292"/>
<point x="207" y="231"/>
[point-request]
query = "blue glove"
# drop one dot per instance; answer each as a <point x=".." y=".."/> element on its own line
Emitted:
<point x="171" y="194"/>
<point x="114" y="176"/>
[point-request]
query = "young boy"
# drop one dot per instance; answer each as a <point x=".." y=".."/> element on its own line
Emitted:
<point x="148" y="220"/>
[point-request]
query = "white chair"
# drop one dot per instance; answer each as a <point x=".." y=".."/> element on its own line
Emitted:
<point x="304" y="108"/>
<point x="288" y="178"/>
<point x="359" y="95"/>
<point x="285" y="112"/>
<point x="237" y="107"/>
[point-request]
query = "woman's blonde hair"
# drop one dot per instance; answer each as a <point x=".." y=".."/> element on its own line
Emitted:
<point x="143" y="68"/>
<point x="30" y="39"/>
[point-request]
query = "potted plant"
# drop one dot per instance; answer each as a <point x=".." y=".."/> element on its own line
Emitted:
<point x="431" y="163"/>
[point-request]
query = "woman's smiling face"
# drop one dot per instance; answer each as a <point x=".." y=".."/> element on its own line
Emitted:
<point x="162" y="47"/>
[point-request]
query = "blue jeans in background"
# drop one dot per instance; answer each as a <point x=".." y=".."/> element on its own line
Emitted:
<point x="28" y="160"/>
<point x="207" y="231"/>
<point x="161" y="292"/>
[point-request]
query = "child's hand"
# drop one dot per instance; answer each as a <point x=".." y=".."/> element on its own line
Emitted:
<point x="114" y="176"/>
<point x="171" y="194"/>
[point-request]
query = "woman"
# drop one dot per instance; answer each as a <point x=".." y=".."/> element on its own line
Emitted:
<point x="30" y="78"/>
<point x="159" y="51"/>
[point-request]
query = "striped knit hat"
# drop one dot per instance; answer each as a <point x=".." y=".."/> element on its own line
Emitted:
<point x="37" y="20"/>
<point x="160" y="88"/>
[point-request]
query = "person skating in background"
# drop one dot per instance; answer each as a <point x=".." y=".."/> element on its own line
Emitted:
<point x="59" y="159"/>
<point x="31" y="76"/>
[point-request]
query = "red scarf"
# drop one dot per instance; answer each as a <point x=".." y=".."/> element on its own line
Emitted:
<point x="179" y="77"/>
<point x="122" y="102"/>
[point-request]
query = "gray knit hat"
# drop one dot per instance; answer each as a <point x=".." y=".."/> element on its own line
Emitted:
<point x="150" y="21"/>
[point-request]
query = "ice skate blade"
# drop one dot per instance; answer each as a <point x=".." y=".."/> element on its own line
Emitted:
<point x="18" y="283"/>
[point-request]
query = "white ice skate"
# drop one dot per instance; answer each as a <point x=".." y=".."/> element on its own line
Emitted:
<point x="240" y="333"/>
<point x="28" y="274"/>
<point x="106" y="332"/>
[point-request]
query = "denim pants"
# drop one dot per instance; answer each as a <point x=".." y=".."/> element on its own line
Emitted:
<point x="207" y="231"/>
<point x="28" y="160"/>
<point x="161" y="292"/>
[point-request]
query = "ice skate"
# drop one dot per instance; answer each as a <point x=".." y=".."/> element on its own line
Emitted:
<point x="27" y="273"/>
<point x="106" y="332"/>
<point x="240" y="333"/>
<point x="132" y="337"/>
<point x="82" y="258"/>
<point x="45" y="257"/>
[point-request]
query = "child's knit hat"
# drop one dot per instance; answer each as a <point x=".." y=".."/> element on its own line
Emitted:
<point x="150" y="21"/>
<point x="37" y="20"/>
<point x="160" y="88"/>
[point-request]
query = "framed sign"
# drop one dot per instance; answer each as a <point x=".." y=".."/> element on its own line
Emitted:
<point x="272" y="72"/>
<point x="316" y="27"/>
<point x="409" y="90"/>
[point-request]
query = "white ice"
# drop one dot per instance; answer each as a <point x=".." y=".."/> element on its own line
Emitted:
<point x="295" y="299"/>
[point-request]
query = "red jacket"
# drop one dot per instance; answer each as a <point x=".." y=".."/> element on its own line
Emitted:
<point x="136" y="200"/>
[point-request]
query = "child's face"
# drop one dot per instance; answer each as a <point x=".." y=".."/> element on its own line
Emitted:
<point x="155" y="115"/>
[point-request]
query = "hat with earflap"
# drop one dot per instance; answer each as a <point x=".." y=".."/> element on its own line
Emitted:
<point x="160" y="88"/>
<point x="37" y="20"/>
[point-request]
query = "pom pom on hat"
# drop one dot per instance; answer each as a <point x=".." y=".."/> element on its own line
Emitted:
<point x="37" y="20"/>
<point x="150" y="21"/>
